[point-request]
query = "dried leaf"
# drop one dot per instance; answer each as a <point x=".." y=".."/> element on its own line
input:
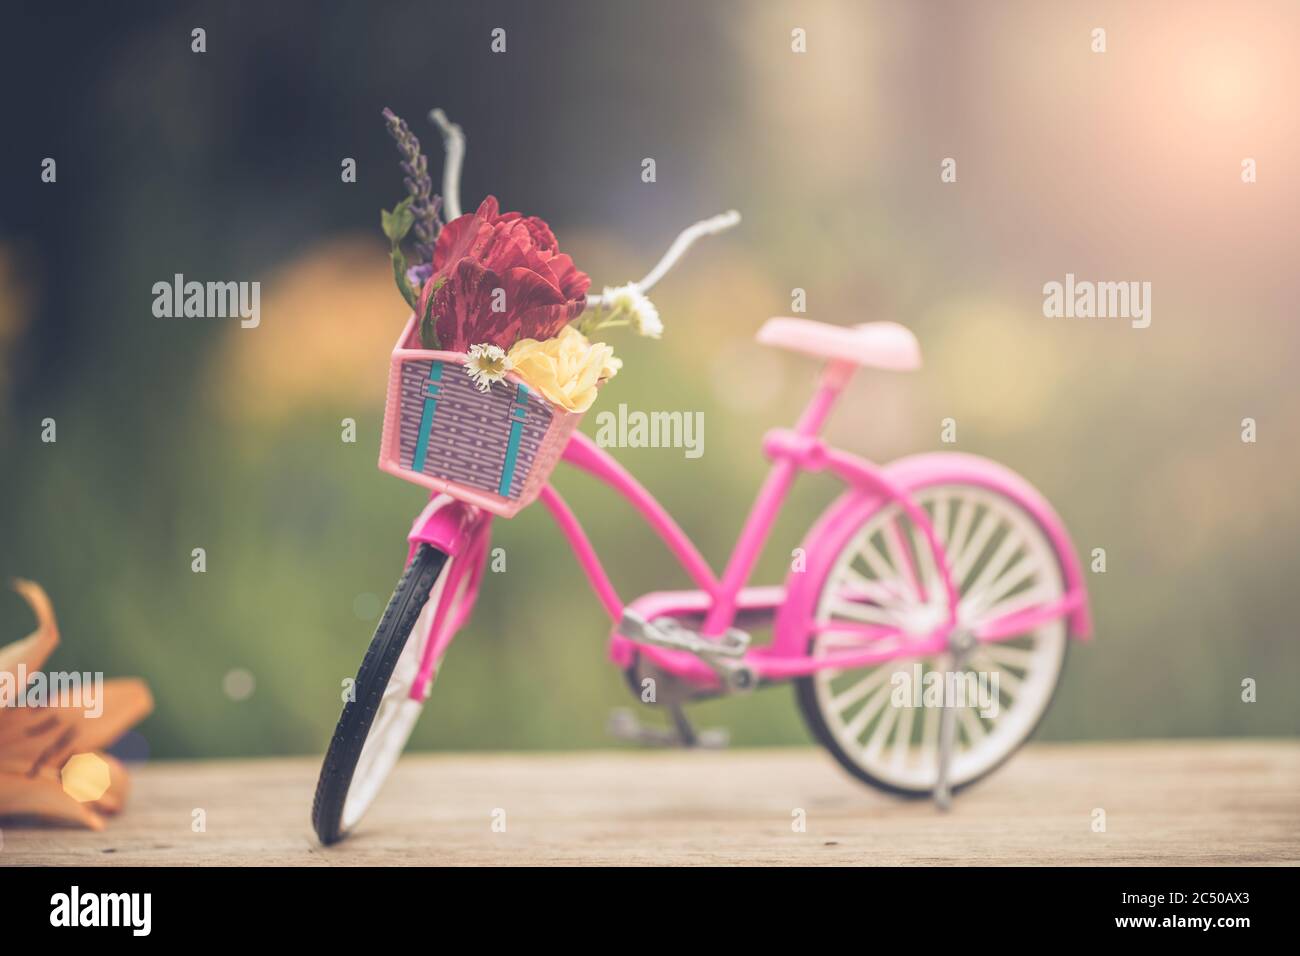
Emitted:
<point x="37" y="742"/>
<point x="33" y="649"/>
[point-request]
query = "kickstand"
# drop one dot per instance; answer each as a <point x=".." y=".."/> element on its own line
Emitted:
<point x="685" y="732"/>
<point x="962" y="643"/>
<point x="943" y="785"/>
<point x="624" y="725"/>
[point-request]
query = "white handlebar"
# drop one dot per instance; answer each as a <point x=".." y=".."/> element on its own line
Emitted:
<point x="453" y="142"/>
<point x="685" y="239"/>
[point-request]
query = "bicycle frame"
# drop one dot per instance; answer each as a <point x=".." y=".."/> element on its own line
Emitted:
<point x="720" y="600"/>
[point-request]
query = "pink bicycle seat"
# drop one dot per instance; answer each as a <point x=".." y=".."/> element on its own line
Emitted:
<point x="885" y="345"/>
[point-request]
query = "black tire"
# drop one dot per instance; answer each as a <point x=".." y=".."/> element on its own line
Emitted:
<point x="806" y="697"/>
<point x="408" y="600"/>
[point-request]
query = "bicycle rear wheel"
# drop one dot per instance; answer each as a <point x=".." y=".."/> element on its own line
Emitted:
<point x="1002" y="561"/>
<point x="378" y="720"/>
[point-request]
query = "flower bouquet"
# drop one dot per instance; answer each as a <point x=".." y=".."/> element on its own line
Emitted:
<point x="497" y="362"/>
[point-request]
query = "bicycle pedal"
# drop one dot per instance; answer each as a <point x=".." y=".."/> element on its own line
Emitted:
<point x="667" y="633"/>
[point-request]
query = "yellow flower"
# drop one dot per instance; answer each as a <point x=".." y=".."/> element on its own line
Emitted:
<point x="565" y="369"/>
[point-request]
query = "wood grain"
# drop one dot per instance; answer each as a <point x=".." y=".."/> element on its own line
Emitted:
<point x="1168" y="802"/>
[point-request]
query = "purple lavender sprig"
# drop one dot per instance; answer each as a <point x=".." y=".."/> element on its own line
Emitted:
<point x="426" y="206"/>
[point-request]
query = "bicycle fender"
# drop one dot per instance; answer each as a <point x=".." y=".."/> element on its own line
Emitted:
<point x="830" y="534"/>
<point x="446" y="524"/>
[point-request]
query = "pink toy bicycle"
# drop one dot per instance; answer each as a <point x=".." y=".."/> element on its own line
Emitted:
<point x="934" y="567"/>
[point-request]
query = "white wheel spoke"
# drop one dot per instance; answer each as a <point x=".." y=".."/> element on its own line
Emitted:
<point x="1022" y="571"/>
<point x="960" y="530"/>
<point x="1022" y="601"/>
<point x="994" y="568"/>
<point x="881" y="734"/>
<point x="1008" y="683"/>
<point x="1006" y="656"/>
<point x="878" y="564"/>
<point x="940" y="519"/>
<point x="899" y="559"/>
<point x="869" y="710"/>
<point x="929" y="737"/>
<point x="859" y="584"/>
<point x="848" y="698"/>
<point x="975" y="731"/>
<point x="865" y="613"/>
<point x="973" y="548"/>
<point x="903" y="737"/>
<point x="926" y="566"/>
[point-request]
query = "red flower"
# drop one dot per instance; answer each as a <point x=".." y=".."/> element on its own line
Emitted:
<point x="486" y="250"/>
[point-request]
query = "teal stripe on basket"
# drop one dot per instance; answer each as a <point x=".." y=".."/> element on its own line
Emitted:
<point x="426" y="419"/>
<point x="517" y="415"/>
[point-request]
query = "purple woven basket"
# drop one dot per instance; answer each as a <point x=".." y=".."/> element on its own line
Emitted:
<point x="494" y="449"/>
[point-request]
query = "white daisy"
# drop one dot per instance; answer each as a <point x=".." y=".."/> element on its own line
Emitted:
<point x="630" y="303"/>
<point x="487" y="364"/>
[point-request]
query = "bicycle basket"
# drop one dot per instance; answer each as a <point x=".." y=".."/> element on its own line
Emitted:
<point x="493" y="449"/>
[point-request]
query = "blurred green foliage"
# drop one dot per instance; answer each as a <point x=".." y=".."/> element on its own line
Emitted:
<point x="174" y="435"/>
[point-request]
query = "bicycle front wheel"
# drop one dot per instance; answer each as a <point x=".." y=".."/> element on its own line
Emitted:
<point x="378" y="718"/>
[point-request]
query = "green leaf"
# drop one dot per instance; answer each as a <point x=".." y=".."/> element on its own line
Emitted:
<point x="398" y="223"/>
<point x="428" y="334"/>
<point x="403" y="284"/>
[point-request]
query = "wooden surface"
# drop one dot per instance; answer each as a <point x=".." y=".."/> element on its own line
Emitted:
<point x="1184" y="802"/>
